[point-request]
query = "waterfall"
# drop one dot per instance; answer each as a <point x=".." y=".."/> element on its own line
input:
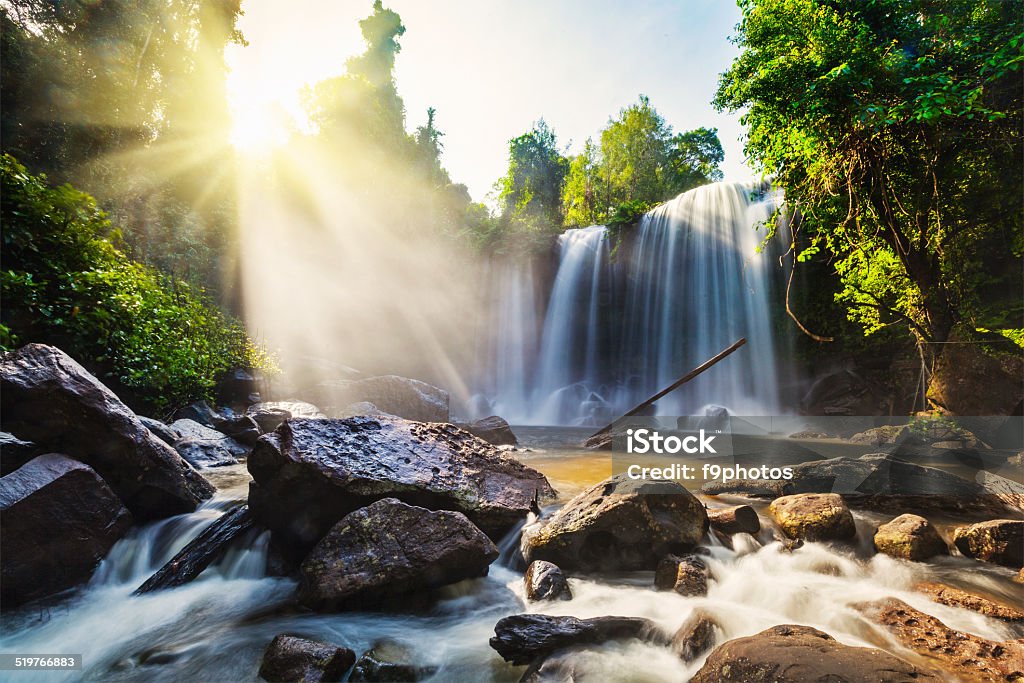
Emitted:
<point x="628" y="314"/>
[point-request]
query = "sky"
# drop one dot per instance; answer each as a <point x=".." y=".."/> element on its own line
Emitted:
<point x="492" y="68"/>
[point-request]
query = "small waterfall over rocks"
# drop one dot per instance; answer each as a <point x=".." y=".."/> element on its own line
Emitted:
<point x="628" y="314"/>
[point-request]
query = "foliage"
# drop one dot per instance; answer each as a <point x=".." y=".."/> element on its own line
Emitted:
<point x="639" y="159"/>
<point x="895" y="128"/>
<point x="64" y="282"/>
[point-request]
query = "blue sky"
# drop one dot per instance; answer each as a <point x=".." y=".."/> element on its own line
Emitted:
<point x="492" y="68"/>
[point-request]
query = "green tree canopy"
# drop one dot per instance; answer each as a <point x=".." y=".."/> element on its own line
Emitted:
<point x="894" y="127"/>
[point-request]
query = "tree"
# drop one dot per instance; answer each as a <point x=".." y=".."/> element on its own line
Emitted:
<point x="894" y="127"/>
<point x="531" y="190"/>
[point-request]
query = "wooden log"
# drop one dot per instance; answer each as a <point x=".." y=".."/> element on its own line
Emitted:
<point x="675" y="385"/>
<point x="735" y="520"/>
<point x="201" y="552"/>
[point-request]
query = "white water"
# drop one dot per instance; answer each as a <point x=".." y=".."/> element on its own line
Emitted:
<point x="215" y="629"/>
<point x="690" y="281"/>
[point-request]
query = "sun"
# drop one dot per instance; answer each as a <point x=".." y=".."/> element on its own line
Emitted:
<point x="258" y="125"/>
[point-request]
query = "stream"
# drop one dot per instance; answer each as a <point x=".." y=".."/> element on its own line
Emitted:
<point x="216" y="628"/>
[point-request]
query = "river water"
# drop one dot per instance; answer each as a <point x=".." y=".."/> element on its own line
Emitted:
<point x="216" y="628"/>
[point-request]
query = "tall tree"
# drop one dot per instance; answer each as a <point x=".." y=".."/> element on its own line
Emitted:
<point x="532" y="187"/>
<point x="894" y="127"/>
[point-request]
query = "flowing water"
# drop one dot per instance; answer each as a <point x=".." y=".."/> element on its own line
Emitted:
<point x="628" y="314"/>
<point x="215" y="629"/>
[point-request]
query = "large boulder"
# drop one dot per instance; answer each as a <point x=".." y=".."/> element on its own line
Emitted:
<point x="814" y="517"/>
<point x="58" y="519"/>
<point x="162" y="431"/>
<point x="909" y="537"/>
<point x="493" y="430"/>
<point x="312" y="472"/>
<point x="881" y="481"/>
<point x="957" y="597"/>
<point x="205" y="447"/>
<point x="1000" y="541"/>
<point x="291" y="659"/>
<point x="47" y="397"/>
<point x="545" y="581"/>
<point x="524" y="638"/>
<point x="964" y="656"/>
<point x="380" y="554"/>
<point x="967" y="381"/>
<point x="797" y="654"/>
<point x="400" y="396"/>
<point x="15" y="452"/>
<point x="619" y="524"/>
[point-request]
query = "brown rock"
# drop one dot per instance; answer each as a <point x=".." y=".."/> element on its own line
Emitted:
<point x="695" y="637"/>
<point x="49" y="398"/>
<point x="955" y="597"/>
<point x="494" y="430"/>
<point x="312" y="472"/>
<point x="961" y="654"/>
<point x="687" y="575"/>
<point x="798" y="654"/>
<point x="545" y="581"/>
<point x="400" y="396"/>
<point x="289" y="659"/>
<point x="967" y="381"/>
<point x="1000" y="541"/>
<point x="814" y="517"/>
<point x="909" y="537"/>
<point x="619" y="524"/>
<point x="740" y="519"/>
<point x="388" y="550"/>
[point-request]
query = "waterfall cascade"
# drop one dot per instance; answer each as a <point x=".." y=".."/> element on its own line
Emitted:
<point x="621" y="323"/>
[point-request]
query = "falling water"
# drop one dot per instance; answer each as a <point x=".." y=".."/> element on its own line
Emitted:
<point x="625" y="320"/>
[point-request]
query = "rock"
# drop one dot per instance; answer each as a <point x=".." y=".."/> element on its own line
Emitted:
<point x="814" y="517"/>
<point x="687" y="575"/>
<point x="49" y="398"/>
<point x="962" y="654"/>
<point x="388" y="660"/>
<point x="202" y="551"/>
<point x="493" y="430"/>
<point x="695" y="637"/>
<point x="269" y="419"/>
<point x="162" y="431"/>
<point x="1020" y="576"/>
<point x="563" y="666"/>
<point x="955" y="597"/>
<point x="545" y="581"/>
<point x="840" y="393"/>
<point x="312" y="472"/>
<point x="362" y="408"/>
<point x="242" y="429"/>
<point x="881" y="481"/>
<point x="289" y="658"/>
<point x="740" y="519"/>
<point x="523" y="638"/>
<point x="58" y="519"/>
<point x="1000" y="541"/>
<point x="619" y="524"/>
<point x="236" y="387"/>
<point x="388" y="550"/>
<point x="200" y="412"/>
<point x="885" y="435"/>
<point x="14" y="453"/>
<point x="967" y="381"/>
<point x="797" y="654"/>
<point x="271" y="414"/>
<point x="909" y="537"/>
<point x="400" y="396"/>
<point x="204" y="447"/>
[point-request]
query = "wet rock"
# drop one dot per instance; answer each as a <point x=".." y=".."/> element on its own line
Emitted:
<point x="312" y="472"/>
<point x="523" y="638"/>
<point x="493" y="430"/>
<point x="814" y="517"/>
<point x="619" y="524"/>
<point x="46" y="397"/>
<point x="1000" y="541"/>
<point x="561" y="667"/>
<point x="200" y="412"/>
<point x="740" y="519"/>
<point x="204" y="447"/>
<point x="961" y="654"/>
<point x="237" y="387"/>
<point x="909" y="537"/>
<point x="15" y="452"/>
<point x="967" y="381"/>
<point x="955" y="597"/>
<point x="291" y="659"/>
<point x="58" y="519"/>
<point x="269" y="415"/>
<point x="242" y="429"/>
<point x="797" y="654"/>
<point x="545" y="581"/>
<point x="389" y="660"/>
<point x="160" y="430"/>
<point x="379" y="554"/>
<point x="695" y="637"/>
<point x="394" y="395"/>
<point x="686" y="575"/>
<point x="202" y="551"/>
